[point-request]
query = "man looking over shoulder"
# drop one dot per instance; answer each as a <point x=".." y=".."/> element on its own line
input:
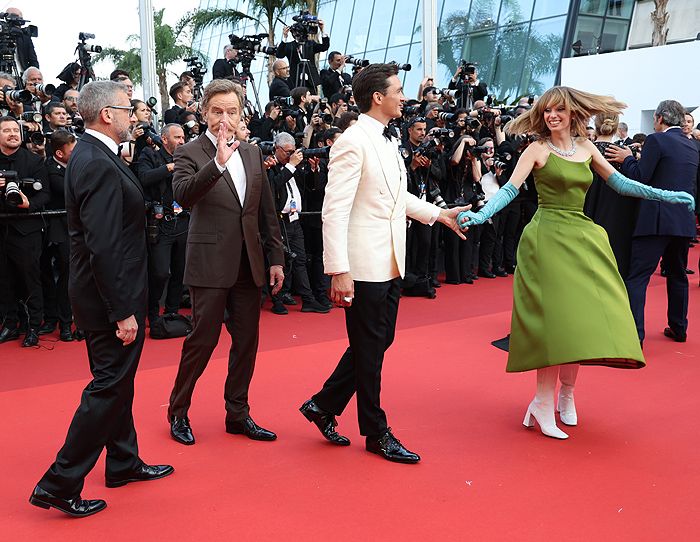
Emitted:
<point x="364" y="240"/>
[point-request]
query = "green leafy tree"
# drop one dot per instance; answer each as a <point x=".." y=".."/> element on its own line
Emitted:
<point x="262" y="12"/>
<point x="172" y="45"/>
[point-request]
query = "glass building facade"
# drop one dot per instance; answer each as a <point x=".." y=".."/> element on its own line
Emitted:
<point x="517" y="44"/>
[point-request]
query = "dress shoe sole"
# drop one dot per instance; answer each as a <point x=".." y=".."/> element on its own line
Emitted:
<point x="45" y="505"/>
<point x="323" y="310"/>
<point x="345" y="442"/>
<point x="251" y="437"/>
<point x="120" y="483"/>
<point x="394" y="460"/>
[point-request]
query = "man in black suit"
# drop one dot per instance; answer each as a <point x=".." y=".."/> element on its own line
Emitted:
<point x="279" y="86"/>
<point x="223" y="67"/>
<point x="333" y="78"/>
<point x="622" y="132"/>
<point x="669" y="161"/>
<point x="26" y="55"/>
<point x="181" y="93"/>
<point x="56" y="252"/>
<point x="301" y="52"/>
<point x="107" y="288"/>
<point x="166" y="257"/>
<point x="20" y="238"/>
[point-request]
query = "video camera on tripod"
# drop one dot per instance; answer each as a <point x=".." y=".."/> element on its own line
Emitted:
<point x="247" y="46"/>
<point x="304" y="24"/>
<point x="85" y="59"/>
<point x="197" y="69"/>
<point x="10" y="26"/>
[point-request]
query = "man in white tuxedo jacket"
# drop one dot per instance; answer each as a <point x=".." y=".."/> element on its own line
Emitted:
<point x="364" y="240"/>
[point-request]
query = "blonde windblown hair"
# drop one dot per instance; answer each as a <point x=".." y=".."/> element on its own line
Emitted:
<point x="582" y="105"/>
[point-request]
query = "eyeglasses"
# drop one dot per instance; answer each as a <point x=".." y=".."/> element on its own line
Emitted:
<point x="128" y="108"/>
<point x="287" y="152"/>
<point x="70" y="98"/>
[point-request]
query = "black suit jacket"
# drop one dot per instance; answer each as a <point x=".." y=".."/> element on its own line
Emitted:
<point x="57" y="226"/>
<point x="107" y="228"/>
<point x="173" y="115"/>
<point x="309" y="49"/>
<point x="332" y="82"/>
<point x="222" y="68"/>
<point x="27" y="165"/>
<point x="155" y="178"/>
<point x="669" y="161"/>
<point x="279" y="87"/>
<point x="25" y="49"/>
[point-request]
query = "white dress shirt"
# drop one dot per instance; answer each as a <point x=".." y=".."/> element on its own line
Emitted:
<point x="292" y="194"/>
<point x="235" y="169"/>
<point x="111" y="144"/>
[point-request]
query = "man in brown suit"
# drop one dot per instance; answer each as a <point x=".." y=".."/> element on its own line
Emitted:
<point x="232" y="222"/>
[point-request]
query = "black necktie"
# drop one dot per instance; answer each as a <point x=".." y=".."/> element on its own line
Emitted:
<point x="388" y="133"/>
<point x="119" y="150"/>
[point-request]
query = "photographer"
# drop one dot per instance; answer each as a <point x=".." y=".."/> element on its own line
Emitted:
<point x="333" y="78"/>
<point x="466" y="82"/>
<point x="8" y="106"/>
<point x="70" y="75"/>
<point x="70" y="101"/>
<point x="31" y="78"/>
<point x="297" y="117"/>
<point x="25" y="53"/>
<point x="280" y="85"/>
<point x="55" y="260"/>
<point x="55" y="118"/>
<point x="425" y="171"/>
<point x="20" y="237"/>
<point x="224" y="67"/>
<point x="285" y="191"/>
<point x="167" y="223"/>
<point x="181" y="94"/>
<point x="269" y="125"/>
<point x="302" y="51"/>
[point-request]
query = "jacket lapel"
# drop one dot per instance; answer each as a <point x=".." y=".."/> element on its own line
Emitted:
<point x="391" y="178"/>
<point x="117" y="160"/>
<point x="210" y="151"/>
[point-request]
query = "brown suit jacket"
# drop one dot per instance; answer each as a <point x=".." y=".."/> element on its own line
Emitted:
<point x="219" y="226"/>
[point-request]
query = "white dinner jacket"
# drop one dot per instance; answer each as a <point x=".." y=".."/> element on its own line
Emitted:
<point x="366" y="204"/>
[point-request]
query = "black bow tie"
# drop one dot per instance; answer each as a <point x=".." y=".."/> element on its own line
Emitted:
<point x="388" y="132"/>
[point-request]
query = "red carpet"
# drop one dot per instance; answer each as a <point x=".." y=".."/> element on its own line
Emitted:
<point x="629" y="471"/>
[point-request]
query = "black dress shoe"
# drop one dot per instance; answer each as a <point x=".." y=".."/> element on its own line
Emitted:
<point x="486" y="274"/>
<point x="66" y="335"/>
<point x="250" y="429"/>
<point x="325" y="421"/>
<point x="181" y="431"/>
<point x="324" y="301"/>
<point x="474" y="276"/>
<point x="279" y="308"/>
<point x="47" y="327"/>
<point x="450" y="281"/>
<point x="31" y="338"/>
<point x="79" y="334"/>
<point x="500" y="272"/>
<point x="287" y="299"/>
<point x="142" y="474"/>
<point x="314" y="306"/>
<point x="689" y="271"/>
<point x="468" y="280"/>
<point x="389" y="447"/>
<point x="9" y="334"/>
<point x="435" y="283"/>
<point x="76" y="507"/>
<point x="668" y="332"/>
<point x="510" y="269"/>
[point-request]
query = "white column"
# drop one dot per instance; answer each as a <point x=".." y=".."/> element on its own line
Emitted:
<point x="148" y="53"/>
<point x="430" y="35"/>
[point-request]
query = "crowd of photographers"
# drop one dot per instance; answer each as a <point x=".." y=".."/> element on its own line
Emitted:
<point x="451" y="140"/>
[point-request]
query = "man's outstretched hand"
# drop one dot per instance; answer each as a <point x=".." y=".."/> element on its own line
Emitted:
<point x="449" y="218"/>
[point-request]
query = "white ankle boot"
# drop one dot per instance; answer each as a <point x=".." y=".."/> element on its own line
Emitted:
<point x="565" y="404"/>
<point x="541" y="409"/>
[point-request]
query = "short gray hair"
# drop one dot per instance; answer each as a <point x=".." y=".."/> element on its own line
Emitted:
<point x="97" y="95"/>
<point x="165" y="130"/>
<point x="222" y="86"/>
<point x="227" y="48"/>
<point x="25" y="75"/>
<point x="671" y="113"/>
<point x="623" y="126"/>
<point x="7" y="76"/>
<point x="284" y="138"/>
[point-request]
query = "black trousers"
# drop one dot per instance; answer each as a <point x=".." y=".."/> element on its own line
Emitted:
<point x="104" y="417"/>
<point x="487" y="243"/>
<point x="458" y="256"/>
<point x="507" y="236"/>
<point x="19" y="257"/>
<point x="371" y="324"/>
<point x="422" y="249"/>
<point x="55" y="264"/>
<point x="166" y="264"/>
<point x="242" y="305"/>
<point x="645" y="254"/>
<point x="296" y="277"/>
<point x="318" y="280"/>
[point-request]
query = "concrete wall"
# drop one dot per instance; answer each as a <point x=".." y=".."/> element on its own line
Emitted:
<point x="641" y="78"/>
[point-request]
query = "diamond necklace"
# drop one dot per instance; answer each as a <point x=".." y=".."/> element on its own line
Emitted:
<point x="561" y="152"/>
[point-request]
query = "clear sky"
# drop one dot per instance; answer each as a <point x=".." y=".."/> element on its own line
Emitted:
<point x="112" y="21"/>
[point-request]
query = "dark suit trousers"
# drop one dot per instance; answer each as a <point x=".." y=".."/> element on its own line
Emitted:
<point x="19" y="256"/>
<point x="104" y="417"/>
<point x="55" y="263"/>
<point x="242" y="303"/>
<point x="296" y="275"/>
<point x="644" y="258"/>
<point x="371" y="323"/>
<point x="166" y="264"/>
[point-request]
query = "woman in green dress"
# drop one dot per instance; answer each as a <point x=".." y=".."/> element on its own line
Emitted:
<point x="570" y="306"/>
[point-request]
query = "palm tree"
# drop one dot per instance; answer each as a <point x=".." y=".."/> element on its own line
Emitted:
<point x="171" y="46"/>
<point x="263" y="12"/>
<point x="659" y="18"/>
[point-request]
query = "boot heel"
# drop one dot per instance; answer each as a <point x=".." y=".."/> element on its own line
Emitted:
<point x="40" y="504"/>
<point x="529" y="421"/>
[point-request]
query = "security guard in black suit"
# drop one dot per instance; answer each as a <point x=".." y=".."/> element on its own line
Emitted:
<point x="55" y="256"/>
<point x="20" y="238"/>
<point x="167" y="235"/>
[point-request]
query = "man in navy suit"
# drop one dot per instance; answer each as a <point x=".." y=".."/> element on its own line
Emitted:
<point x="669" y="161"/>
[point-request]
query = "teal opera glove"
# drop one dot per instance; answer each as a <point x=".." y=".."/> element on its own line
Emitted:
<point x="627" y="187"/>
<point x="497" y="202"/>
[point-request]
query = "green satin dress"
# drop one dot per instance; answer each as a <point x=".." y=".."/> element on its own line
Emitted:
<point x="570" y="304"/>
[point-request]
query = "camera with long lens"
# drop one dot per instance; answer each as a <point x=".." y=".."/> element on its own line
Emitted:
<point x="83" y="37"/>
<point x="251" y="44"/>
<point x="320" y="152"/>
<point x="14" y="185"/>
<point x="401" y="67"/>
<point x="478" y="150"/>
<point x="447" y="117"/>
<point x="15" y="95"/>
<point x="450" y="93"/>
<point x="502" y="160"/>
<point x="437" y="197"/>
<point x="35" y="138"/>
<point x="294" y="112"/>
<point x="266" y="147"/>
<point x="304" y="24"/>
<point x="31" y="116"/>
<point x="283" y="101"/>
<point x="78" y="125"/>
<point x="361" y="62"/>
<point x="151" y="103"/>
<point x="467" y="68"/>
<point x="47" y="89"/>
<point x="325" y="112"/>
<point x="149" y="132"/>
